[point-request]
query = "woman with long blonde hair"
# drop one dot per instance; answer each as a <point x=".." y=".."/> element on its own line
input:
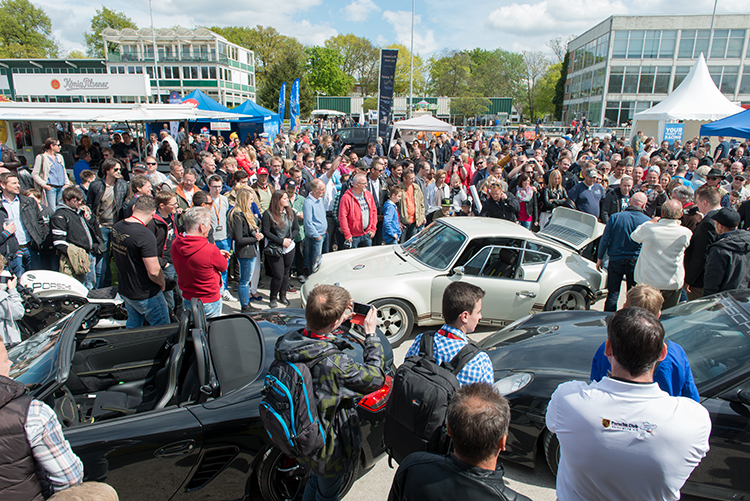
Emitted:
<point x="246" y="235"/>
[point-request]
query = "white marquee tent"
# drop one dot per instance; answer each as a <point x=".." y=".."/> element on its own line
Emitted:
<point x="423" y="123"/>
<point x="695" y="102"/>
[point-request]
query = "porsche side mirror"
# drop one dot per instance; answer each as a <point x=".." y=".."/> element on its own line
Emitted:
<point x="458" y="270"/>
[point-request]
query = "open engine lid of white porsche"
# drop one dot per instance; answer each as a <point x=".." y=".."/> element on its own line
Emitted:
<point x="573" y="227"/>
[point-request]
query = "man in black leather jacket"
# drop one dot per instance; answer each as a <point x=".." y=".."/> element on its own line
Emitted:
<point x="478" y="420"/>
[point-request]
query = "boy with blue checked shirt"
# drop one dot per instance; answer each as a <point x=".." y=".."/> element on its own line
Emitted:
<point x="462" y="311"/>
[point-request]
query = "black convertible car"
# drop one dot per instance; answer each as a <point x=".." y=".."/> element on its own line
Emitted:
<point x="535" y="354"/>
<point x="171" y="411"/>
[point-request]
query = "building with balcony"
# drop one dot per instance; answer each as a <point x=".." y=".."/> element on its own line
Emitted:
<point x="185" y="60"/>
<point x="627" y="64"/>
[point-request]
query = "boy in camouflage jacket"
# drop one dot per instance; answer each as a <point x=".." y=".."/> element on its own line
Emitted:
<point x="338" y="382"/>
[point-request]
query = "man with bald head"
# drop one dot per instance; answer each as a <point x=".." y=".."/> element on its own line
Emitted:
<point x="664" y="241"/>
<point x="623" y="251"/>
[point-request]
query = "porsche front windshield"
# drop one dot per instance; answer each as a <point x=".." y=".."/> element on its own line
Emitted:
<point x="436" y="246"/>
<point x="34" y="360"/>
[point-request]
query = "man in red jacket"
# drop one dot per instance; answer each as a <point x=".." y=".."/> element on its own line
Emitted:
<point x="198" y="263"/>
<point x="358" y="214"/>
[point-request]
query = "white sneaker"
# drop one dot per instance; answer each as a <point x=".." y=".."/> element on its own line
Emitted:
<point x="227" y="296"/>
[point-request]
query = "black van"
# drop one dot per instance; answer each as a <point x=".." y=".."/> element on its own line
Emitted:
<point x="358" y="138"/>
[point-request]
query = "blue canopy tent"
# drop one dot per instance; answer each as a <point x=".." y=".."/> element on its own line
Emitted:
<point x="271" y="121"/>
<point x="203" y="102"/>
<point x="737" y="125"/>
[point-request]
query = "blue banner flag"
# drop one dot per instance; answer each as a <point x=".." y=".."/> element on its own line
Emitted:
<point x="294" y="103"/>
<point x="282" y="101"/>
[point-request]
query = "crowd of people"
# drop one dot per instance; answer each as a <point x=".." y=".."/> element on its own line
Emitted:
<point x="279" y="205"/>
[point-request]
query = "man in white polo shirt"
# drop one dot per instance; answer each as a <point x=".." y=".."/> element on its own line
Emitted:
<point x="623" y="438"/>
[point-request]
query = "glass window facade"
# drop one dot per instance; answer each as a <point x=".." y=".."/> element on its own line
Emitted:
<point x="725" y="78"/>
<point x="745" y="83"/>
<point x="644" y="44"/>
<point x="592" y="53"/>
<point x="693" y="43"/>
<point x="727" y="43"/>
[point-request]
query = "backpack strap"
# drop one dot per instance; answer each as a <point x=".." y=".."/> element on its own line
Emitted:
<point x="427" y="344"/>
<point x="463" y="357"/>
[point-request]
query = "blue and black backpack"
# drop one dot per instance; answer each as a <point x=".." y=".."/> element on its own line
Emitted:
<point x="288" y="408"/>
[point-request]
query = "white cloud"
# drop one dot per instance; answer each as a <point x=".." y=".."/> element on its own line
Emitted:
<point x="360" y="10"/>
<point x="553" y="17"/>
<point x="310" y="34"/>
<point x="400" y="21"/>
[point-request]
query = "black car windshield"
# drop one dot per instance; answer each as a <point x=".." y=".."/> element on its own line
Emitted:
<point x="715" y="333"/>
<point x="34" y="359"/>
<point x="436" y="246"/>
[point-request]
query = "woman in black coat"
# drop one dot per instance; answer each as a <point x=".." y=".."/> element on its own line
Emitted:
<point x="246" y="235"/>
<point x="280" y="229"/>
<point x="553" y="196"/>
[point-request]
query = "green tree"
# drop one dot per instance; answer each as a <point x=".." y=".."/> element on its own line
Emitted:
<point x="545" y="91"/>
<point x="76" y="54"/>
<point x="560" y="87"/>
<point x="535" y="66"/>
<point x="286" y="69"/>
<point x="359" y="60"/>
<point x="370" y="103"/>
<point x="105" y="18"/>
<point x="25" y="31"/>
<point x="450" y="73"/>
<point x="401" y="85"/>
<point x="496" y="73"/>
<point x="325" y="73"/>
<point x="470" y="106"/>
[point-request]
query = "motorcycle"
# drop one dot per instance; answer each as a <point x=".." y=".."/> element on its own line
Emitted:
<point x="49" y="296"/>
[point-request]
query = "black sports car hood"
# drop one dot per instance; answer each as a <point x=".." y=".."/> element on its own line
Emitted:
<point x="559" y="341"/>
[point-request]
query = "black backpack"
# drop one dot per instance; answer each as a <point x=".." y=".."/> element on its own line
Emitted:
<point x="288" y="408"/>
<point x="417" y="409"/>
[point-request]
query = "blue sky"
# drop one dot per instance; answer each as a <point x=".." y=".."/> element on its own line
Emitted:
<point x="439" y="24"/>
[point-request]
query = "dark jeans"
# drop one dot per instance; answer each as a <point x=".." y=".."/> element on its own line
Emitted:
<point x="103" y="271"/>
<point x="616" y="271"/>
<point x="280" y="266"/>
<point x="332" y="233"/>
<point x="323" y="488"/>
<point x="363" y="241"/>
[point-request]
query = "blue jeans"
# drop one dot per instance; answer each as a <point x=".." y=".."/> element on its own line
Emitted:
<point x="226" y="245"/>
<point x="363" y="241"/>
<point x="21" y="262"/>
<point x="323" y="488"/>
<point x="89" y="279"/>
<point x="525" y="224"/>
<point x="103" y="272"/>
<point x="53" y="196"/>
<point x="616" y="271"/>
<point x="170" y="295"/>
<point x="313" y="249"/>
<point x="247" y="266"/>
<point x="153" y="310"/>
<point x="213" y="309"/>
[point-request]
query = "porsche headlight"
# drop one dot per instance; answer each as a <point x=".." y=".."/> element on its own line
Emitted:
<point x="513" y="382"/>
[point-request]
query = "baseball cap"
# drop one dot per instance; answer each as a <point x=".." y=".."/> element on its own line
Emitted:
<point x="290" y="183"/>
<point x="716" y="173"/>
<point x="262" y="171"/>
<point x="741" y="175"/>
<point x="139" y="168"/>
<point x="727" y="217"/>
<point x="446" y="202"/>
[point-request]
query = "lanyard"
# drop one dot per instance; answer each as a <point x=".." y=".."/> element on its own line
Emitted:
<point x="134" y="217"/>
<point x="449" y="335"/>
<point x="216" y="211"/>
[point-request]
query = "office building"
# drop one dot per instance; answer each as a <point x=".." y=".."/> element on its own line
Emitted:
<point x="627" y="64"/>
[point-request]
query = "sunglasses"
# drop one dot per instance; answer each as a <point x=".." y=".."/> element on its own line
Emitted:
<point x="712" y="178"/>
<point x="150" y="163"/>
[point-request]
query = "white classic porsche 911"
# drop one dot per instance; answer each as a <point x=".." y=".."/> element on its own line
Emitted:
<point x="520" y="271"/>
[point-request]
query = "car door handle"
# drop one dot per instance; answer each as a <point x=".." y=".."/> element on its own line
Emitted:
<point x="94" y="343"/>
<point x="176" y="449"/>
<point x="525" y="294"/>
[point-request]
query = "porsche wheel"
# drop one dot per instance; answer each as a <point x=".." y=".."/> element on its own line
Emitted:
<point x="571" y="297"/>
<point x="282" y="478"/>
<point x="552" y="451"/>
<point x="395" y="319"/>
